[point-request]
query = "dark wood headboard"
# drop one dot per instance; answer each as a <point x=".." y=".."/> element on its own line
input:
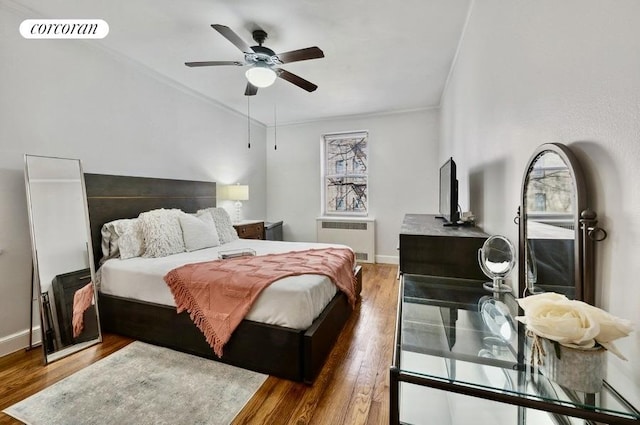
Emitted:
<point x="113" y="197"/>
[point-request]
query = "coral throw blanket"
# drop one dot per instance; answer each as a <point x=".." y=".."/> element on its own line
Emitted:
<point x="82" y="300"/>
<point x="219" y="294"/>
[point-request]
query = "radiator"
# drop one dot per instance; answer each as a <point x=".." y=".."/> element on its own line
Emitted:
<point x="359" y="234"/>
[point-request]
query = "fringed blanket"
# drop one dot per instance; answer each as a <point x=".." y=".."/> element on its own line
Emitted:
<point x="82" y="300"/>
<point x="219" y="294"/>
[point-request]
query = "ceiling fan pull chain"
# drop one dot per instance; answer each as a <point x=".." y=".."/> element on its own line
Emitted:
<point x="248" y="123"/>
<point x="275" y="128"/>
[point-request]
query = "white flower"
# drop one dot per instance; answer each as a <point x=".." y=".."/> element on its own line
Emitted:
<point x="572" y="323"/>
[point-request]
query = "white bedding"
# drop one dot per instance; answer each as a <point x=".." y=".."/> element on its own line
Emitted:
<point x="292" y="302"/>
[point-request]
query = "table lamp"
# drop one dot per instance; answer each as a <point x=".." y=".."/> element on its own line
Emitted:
<point x="238" y="193"/>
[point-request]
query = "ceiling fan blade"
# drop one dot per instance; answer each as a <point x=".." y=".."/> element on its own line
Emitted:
<point x="214" y="63"/>
<point x="232" y="37"/>
<point x="251" y="90"/>
<point x="294" y="79"/>
<point x="301" y="55"/>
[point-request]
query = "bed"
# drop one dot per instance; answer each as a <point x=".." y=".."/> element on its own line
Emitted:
<point x="269" y="348"/>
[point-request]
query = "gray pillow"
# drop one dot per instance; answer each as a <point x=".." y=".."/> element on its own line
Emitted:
<point x="111" y="234"/>
<point x="198" y="231"/>
<point x="222" y="221"/>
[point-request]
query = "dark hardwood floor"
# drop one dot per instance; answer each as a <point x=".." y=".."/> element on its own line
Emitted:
<point x="353" y="387"/>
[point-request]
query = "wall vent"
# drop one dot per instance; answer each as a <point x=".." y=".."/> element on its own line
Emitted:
<point x="358" y="234"/>
<point x="362" y="256"/>
<point x="344" y="225"/>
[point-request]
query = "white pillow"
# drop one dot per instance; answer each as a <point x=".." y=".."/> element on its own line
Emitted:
<point x="162" y="232"/>
<point x="198" y="232"/>
<point x="226" y="231"/>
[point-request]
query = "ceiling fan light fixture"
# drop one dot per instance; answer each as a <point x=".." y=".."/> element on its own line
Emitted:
<point x="261" y="75"/>
<point x="262" y="62"/>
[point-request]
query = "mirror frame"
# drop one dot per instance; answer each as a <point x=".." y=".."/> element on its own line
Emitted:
<point x="583" y="276"/>
<point x="35" y="281"/>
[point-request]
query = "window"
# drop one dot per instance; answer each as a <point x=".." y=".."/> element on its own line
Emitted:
<point x="344" y="173"/>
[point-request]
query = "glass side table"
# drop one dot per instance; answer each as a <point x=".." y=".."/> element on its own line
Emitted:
<point x="453" y="335"/>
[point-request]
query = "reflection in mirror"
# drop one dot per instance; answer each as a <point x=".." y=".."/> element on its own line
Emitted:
<point x="62" y="255"/>
<point x="550" y="211"/>
<point x="497" y="257"/>
<point x="500" y="338"/>
<point x="496" y="376"/>
<point x="498" y="320"/>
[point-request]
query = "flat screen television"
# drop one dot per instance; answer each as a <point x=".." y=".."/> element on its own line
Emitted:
<point x="449" y="193"/>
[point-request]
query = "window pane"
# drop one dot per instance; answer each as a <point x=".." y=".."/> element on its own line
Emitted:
<point x="346" y="194"/>
<point x="346" y="155"/>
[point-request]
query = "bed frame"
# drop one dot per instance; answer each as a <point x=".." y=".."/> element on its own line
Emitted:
<point x="274" y="350"/>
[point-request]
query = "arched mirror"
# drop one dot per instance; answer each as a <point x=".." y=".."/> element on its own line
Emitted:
<point x="62" y="255"/>
<point x="497" y="257"/>
<point x="556" y="229"/>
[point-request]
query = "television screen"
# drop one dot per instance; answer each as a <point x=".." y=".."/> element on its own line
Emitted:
<point x="449" y="192"/>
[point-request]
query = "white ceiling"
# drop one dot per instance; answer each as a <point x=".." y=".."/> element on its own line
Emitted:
<point x="380" y="55"/>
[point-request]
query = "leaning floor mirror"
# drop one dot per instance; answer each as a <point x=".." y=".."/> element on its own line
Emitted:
<point x="62" y="255"/>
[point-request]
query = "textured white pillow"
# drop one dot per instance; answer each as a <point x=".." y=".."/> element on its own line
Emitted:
<point x="199" y="231"/>
<point x="226" y="231"/>
<point x="162" y="232"/>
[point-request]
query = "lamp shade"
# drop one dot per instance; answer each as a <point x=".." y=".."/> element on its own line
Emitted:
<point x="237" y="192"/>
<point x="260" y="75"/>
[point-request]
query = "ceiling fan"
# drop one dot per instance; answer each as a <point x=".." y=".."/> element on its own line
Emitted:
<point x="263" y="62"/>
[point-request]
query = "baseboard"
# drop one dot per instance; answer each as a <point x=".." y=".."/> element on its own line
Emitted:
<point x="18" y="341"/>
<point x="387" y="259"/>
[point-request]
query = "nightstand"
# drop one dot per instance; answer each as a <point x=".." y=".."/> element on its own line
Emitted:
<point x="273" y="231"/>
<point x="250" y="229"/>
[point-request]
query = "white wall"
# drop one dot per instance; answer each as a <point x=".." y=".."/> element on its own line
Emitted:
<point x="532" y="72"/>
<point x="403" y="173"/>
<point x="71" y="98"/>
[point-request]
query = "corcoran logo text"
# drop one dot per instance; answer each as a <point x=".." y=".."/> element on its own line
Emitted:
<point x="64" y="28"/>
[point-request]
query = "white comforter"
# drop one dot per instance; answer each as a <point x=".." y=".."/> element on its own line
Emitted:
<point x="292" y="302"/>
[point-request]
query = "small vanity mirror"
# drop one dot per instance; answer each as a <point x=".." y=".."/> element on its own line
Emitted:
<point x="497" y="257"/>
<point x="62" y="255"/>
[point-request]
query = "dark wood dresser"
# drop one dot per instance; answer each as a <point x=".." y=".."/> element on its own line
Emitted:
<point x="429" y="248"/>
<point x="250" y="230"/>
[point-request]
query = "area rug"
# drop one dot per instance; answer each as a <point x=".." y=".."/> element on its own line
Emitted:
<point x="143" y="384"/>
